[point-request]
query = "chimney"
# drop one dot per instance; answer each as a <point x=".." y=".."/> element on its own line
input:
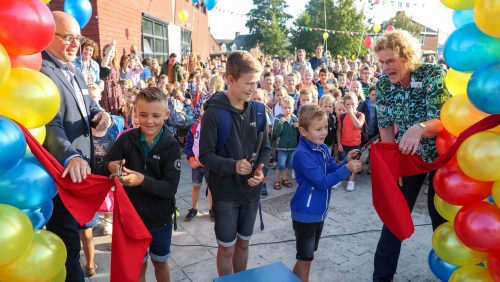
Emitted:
<point x="237" y="34"/>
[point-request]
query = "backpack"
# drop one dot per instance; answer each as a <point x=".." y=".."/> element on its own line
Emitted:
<point x="181" y="114"/>
<point x="225" y="120"/>
<point x="364" y="133"/>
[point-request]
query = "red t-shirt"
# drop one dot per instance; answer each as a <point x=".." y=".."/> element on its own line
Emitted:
<point x="349" y="134"/>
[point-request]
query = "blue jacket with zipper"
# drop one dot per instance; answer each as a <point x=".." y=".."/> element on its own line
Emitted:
<point x="316" y="172"/>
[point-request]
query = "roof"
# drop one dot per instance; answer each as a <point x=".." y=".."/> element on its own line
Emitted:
<point x="426" y="28"/>
<point x="239" y="41"/>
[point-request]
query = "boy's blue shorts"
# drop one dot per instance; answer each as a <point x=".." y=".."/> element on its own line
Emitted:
<point x="159" y="248"/>
<point x="198" y="174"/>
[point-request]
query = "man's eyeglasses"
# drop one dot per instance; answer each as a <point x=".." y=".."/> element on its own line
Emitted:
<point x="68" y="38"/>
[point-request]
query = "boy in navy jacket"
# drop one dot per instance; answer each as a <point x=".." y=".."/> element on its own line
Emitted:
<point x="316" y="172"/>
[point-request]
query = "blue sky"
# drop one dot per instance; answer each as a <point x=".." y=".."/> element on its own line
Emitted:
<point x="428" y="12"/>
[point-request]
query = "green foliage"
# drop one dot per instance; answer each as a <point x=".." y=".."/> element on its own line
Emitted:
<point x="271" y="32"/>
<point x="342" y="17"/>
<point x="402" y="21"/>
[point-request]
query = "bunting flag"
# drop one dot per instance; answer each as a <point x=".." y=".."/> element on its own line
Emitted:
<point x="130" y="239"/>
<point x="388" y="164"/>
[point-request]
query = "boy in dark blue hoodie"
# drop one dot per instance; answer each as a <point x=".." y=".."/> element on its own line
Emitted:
<point x="316" y="172"/>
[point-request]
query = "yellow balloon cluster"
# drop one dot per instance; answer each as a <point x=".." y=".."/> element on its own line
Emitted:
<point x="479" y="156"/>
<point x="16" y="233"/>
<point x="39" y="133"/>
<point x="29" y="97"/>
<point x="4" y="65"/>
<point x="470" y="273"/>
<point x="41" y="262"/>
<point x="449" y="248"/>
<point x="496" y="193"/>
<point x="486" y="14"/>
<point x="456" y="82"/>
<point x="459" y="4"/>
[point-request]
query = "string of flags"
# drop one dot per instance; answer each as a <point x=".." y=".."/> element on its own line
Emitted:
<point x="305" y="28"/>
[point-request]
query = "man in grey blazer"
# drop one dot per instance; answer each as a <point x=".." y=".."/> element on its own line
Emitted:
<point x="69" y="137"/>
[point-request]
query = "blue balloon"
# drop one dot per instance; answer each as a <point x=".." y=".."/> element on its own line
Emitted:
<point x="441" y="269"/>
<point x="483" y="88"/>
<point x="27" y="186"/>
<point x="12" y="145"/>
<point x="467" y="48"/>
<point x="462" y="17"/>
<point x="40" y="215"/>
<point x="491" y="200"/>
<point x="210" y="4"/>
<point x="195" y="1"/>
<point x="81" y="10"/>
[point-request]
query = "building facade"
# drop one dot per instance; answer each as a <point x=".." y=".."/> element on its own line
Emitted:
<point x="152" y="25"/>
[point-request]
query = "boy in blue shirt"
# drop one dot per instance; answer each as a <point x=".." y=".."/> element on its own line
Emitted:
<point x="316" y="172"/>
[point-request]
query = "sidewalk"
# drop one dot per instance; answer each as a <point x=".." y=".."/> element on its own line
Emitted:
<point x="345" y="253"/>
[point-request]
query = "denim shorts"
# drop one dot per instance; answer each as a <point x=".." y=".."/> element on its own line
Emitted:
<point x="198" y="174"/>
<point x="234" y="218"/>
<point x="285" y="159"/>
<point x="346" y="150"/>
<point x="159" y="248"/>
<point x="91" y="224"/>
<point x="307" y="237"/>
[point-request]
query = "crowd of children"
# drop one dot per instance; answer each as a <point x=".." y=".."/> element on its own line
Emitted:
<point x="320" y="113"/>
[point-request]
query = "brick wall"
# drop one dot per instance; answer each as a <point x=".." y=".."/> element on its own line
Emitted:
<point x="430" y="42"/>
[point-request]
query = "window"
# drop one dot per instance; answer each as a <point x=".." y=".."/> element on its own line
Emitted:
<point x="421" y="39"/>
<point x="154" y="38"/>
<point x="185" y="42"/>
<point x="223" y="47"/>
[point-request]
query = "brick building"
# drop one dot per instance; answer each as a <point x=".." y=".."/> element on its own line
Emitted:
<point x="152" y="25"/>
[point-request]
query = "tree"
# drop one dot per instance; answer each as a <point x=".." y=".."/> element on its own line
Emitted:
<point x="267" y="25"/>
<point x="402" y="21"/>
<point x="343" y="16"/>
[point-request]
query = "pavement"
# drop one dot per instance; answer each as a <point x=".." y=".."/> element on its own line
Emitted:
<point x="345" y="253"/>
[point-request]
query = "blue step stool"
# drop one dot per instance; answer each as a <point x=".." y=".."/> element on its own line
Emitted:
<point x="275" y="272"/>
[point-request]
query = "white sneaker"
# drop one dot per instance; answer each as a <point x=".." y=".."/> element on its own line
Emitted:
<point x="350" y="186"/>
<point x="337" y="185"/>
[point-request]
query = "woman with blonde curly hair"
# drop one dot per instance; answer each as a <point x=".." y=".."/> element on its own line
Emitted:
<point x="409" y="97"/>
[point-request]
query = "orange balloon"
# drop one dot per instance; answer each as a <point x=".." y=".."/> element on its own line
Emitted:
<point x="27" y="61"/>
<point x="458" y="114"/>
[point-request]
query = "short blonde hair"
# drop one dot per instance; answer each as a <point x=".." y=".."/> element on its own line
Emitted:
<point x="403" y="44"/>
<point x="327" y="99"/>
<point x="308" y="113"/>
<point x="350" y="96"/>
<point x="287" y="100"/>
<point x="216" y="84"/>
<point x="240" y="62"/>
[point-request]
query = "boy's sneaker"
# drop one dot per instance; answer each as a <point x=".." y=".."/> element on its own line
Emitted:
<point x="337" y="185"/>
<point x="263" y="191"/>
<point x="191" y="214"/>
<point x="350" y="186"/>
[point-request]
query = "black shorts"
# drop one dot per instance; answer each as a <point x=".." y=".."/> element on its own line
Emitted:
<point x="307" y="236"/>
<point x="234" y="218"/>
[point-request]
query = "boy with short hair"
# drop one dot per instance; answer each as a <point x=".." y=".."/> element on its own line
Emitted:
<point x="291" y="88"/>
<point x="349" y="131"/>
<point x="285" y="133"/>
<point x="316" y="172"/>
<point x="236" y="168"/>
<point x="148" y="158"/>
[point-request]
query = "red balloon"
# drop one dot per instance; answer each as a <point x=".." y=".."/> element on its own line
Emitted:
<point x="444" y="141"/>
<point x="389" y="27"/>
<point x="494" y="265"/>
<point x="26" y="26"/>
<point x="28" y="61"/>
<point x="478" y="226"/>
<point x="368" y="42"/>
<point x="456" y="188"/>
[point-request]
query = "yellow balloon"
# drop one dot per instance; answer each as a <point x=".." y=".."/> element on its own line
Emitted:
<point x="46" y="1"/>
<point x="446" y="210"/>
<point x="29" y="97"/>
<point x="4" y="65"/>
<point x="458" y="113"/>
<point x="38" y="133"/>
<point x="183" y="15"/>
<point x="61" y="276"/>
<point x="376" y="27"/>
<point x="479" y="156"/>
<point x="496" y="193"/>
<point x="41" y="262"/>
<point x="16" y="234"/>
<point x="459" y="4"/>
<point x="456" y="82"/>
<point x="486" y="14"/>
<point x="325" y="35"/>
<point x="470" y="273"/>
<point x="450" y="249"/>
